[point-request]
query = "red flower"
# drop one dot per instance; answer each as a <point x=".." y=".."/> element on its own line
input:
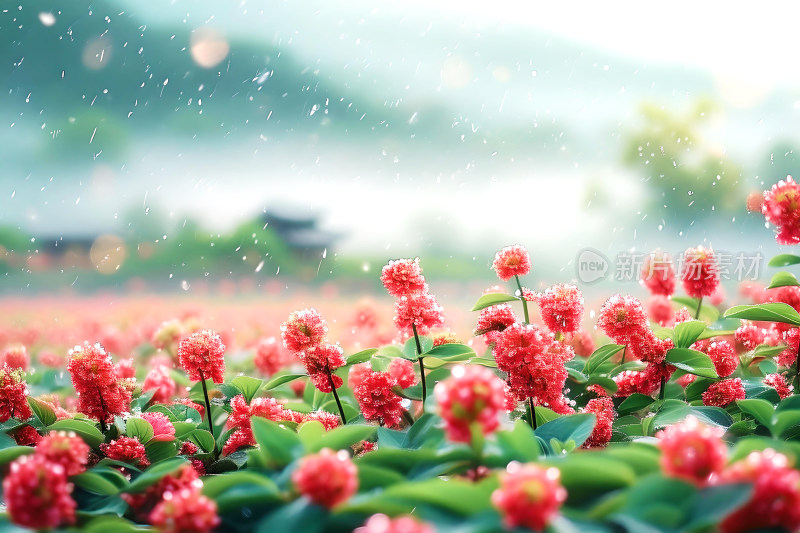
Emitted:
<point x="327" y="478"/>
<point x="493" y="320"/>
<point x="692" y="451"/>
<point x="241" y="414"/>
<point x="37" y="494"/>
<point x="781" y="208"/>
<point x="658" y="274"/>
<point x="722" y="393"/>
<point x="700" y="275"/>
<point x="403" y="277"/>
<point x="163" y="430"/>
<point x="749" y="335"/>
<point x="202" y="356"/>
<point x="373" y="391"/>
<point x="561" y="308"/>
<point x="66" y="449"/>
<point x="185" y="511"/>
<point x="13" y="395"/>
<point x="188" y="448"/>
<point x="402" y="371"/>
<point x="603" y="409"/>
<point x="27" y="436"/>
<point x="185" y="477"/>
<point x="646" y="381"/>
<point x="419" y="309"/>
<point x="775" y="502"/>
<point x="778" y="382"/>
<point x="101" y="394"/>
<point x="16" y="357"/>
<point x="159" y="380"/>
<point x="303" y="330"/>
<point x="659" y="309"/>
<point x="124" y="369"/>
<point x="511" y="261"/>
<point x="445" y="337"/>
<point x="328" y="420"/>
<point x="269" y="357"/>
<point x="320" y="362"/>
<point x="471" y="395"/>
<point x="128" y="450"/>
<point x="649" y="348"/>
<point x="534" y="362"/>
<point x="201" y="409"/>
<point x="622" y="318"/>
<point x="789" y="295"/>
<point x="380" y="523"/>
<point x="724" y="358"/>
<point x="529" y="496"/>
<point x="582" y="343"/>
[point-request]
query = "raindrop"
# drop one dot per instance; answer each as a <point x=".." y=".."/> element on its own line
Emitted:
<point x="185" y="285"/>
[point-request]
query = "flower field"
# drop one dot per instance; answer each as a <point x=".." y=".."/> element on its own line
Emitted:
<point x="527" y="412"/>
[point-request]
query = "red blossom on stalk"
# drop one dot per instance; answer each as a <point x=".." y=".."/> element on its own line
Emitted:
<point x="380" y="523"/>
<point x="101" y="394"/>
<point x="789" y="295"/>
<point x="202" y="356"/>
<point x="700" y="274"/>
<point x="659" y="309"/>
<point x="622" y="318"/>
<point x="403" y="277"/>
<point x="37" y="493"/>
<point x="692" y="451"/>
<point x="775" y="502"/>
<point x="373" y="391"/>
<point x="511" y="261"/>
<point x="16" y="357"/>
<point x="13" y="395"/>
<point x="128" y="450"/>
<point x="529" y="496"/>
<point x="269" y="356"/>
<point x="724" y="357"/>
<point x="420" y="310"/>
<point x="778" y="382"/>
<point x="326" y="478"/>
<point x="492" y="320"/>
<point x="159" y="380"/>
<point x="124" y="369"/>
<point x="603" y="409"/>
<point x="658" y="274"/>
<point x="582" y="343"/>
<point x="27" y="436"/>
<point x="749" y="335"/>
<point x="241" y="414"/>
<point x="649" y="348"/>
<point x="646" y="381"/>
<point x="561" y="308"/>
<point x="303" y="330"/>
<point x="781" y="208"/>
<point x="471" y="395"/>
<point x="185" y="511"/>
<point x="725" y="392"/>
<point x="65" y="449"/>
<point x="402" y="371"/>
<point x="320" y="362"/>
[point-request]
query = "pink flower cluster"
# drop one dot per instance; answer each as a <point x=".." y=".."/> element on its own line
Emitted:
<point x="781" y="207"/>
<point x="471" y="397"/>
<point x="529" y="496"/>
<point x="380" y="523"/>
<point x="561" y="308"/>
<point x="305" y="334"/>
<point x="13" y="395"/>
<point x="700" y="274"/>
<point x="658" y="274"/>
<point x="373" y="390"/>
<point x="511" y="261"/>
<point x="202" y="356"/>
<point x="327" y="478"/>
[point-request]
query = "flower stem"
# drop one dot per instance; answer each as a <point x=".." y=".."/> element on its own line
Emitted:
<point x="797" y="371"/>
<point x="699" y="306"/>
<point x="532" y="411"/>
<point x="624" y="350"/>
<point x="524" y="301"/>
<point x="662" y="392"/>
<point x="408" y="418"/>
<point x="421" y="366"/>
<point x="336" y="396"/>
<point x="208" y="405"/>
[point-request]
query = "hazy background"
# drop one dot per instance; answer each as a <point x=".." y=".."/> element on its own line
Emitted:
<point x="439" y="129"/>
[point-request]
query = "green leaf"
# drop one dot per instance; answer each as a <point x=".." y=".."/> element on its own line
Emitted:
<point x="588" y="476"/>
<point x="277" y="381"/>
<point x="342" y="437"/>
<point x="300" y="515"/>
<point x="104" y="524"/>
<point x="371" y="477"/>
<point x="768" y="312"/>
<point x="42" y="410"/>
<point x="765" y="350"/>
<point x="761" y="410"/>
<point x="361" y="357"/>
<point x="177" y="412"/>
<point x="451" y="352"/>
<point x="203" y="439"/>
<point x="519" y="444"/>
<point x="674" y="411"/>
<point x="567" y="428"/>
<point x="708" y="312"/>
<point x="90" y="434"/>
<point x="216" y="486"/>
<point x="9" y="454"/>
<point x="783" y="260"/>
<point x="158" y="451"/>
<point x="101" y="480"/>
<point x="692" y="361"/>
<point x="410" y="347"/>
<point x="576" y="375"/>
<point x="600" y="356"/>
<point x="783" y="279"/>
<point x="141" y="401"/>
<point x="634" y="402"/>
<point x="712" y="504"/>
<point x="686" y="333"/>
<point x="784" y="421"/>
<point x="184" y="429"/>
<point x="155" y="473"/>
<point x="139" y="428"/>
<point x="482" y="361"/>
<point x="488" y="300"/>
<point x="279" y="445"/>
<point x="248" y="386"/>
